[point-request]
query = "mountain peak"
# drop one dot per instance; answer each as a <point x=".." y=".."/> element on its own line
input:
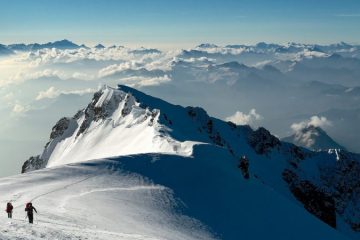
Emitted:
<point x="62" y="44"/>
<point x="99" y="46"/>
<point x="64" y="41"/>
<point x="106" y="126"/>
<point x="207" y="45"/>
<point x="314" y="138"/>
<point x="234" y="65"/>
<point x="4" y="50"/>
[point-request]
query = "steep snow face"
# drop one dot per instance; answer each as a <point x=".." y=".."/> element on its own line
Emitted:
<point x="313" y="138"/>
<point x="125" y="121"/>
<point x="113" y="124"/>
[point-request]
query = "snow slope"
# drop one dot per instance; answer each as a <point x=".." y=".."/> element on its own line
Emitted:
<point x="154" y="196"/>
<point x="196" y="157"/>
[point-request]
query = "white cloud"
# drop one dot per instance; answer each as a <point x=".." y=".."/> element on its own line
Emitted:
<point x="80" y="92"/>
<point x="306" y="138"/>
<point x="50" y="56"/>
<point x="112" y="69"/>
<point x="52" y="92"/>
<point x="82" y="76"/>
<point x="49" y="93"/>
<point x="240" y="118"/>
<point x="18" y="108"/>
<point x="222" y="50"/>
<point x="140" y="81"/>
<point x="314" y="121"/>
<point x="26" y="75"/>
<point x="79" y="63"/>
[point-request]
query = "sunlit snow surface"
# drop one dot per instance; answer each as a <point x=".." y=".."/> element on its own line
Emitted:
<point x="154" y="196"/>
<point x="117" y="135"/>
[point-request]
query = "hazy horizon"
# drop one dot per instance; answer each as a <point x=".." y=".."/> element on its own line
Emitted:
<point x="180" y="24"/>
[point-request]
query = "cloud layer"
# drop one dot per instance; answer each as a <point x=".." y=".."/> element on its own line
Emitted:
<point x="52" y="92"/>
<point x="252" y="118"/>
<point x="314" y="121"/>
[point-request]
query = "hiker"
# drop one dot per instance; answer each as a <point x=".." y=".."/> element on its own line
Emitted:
<point x="9" y="209"/>
<point x="244" y="167"/>
<point x="30" y="211"/>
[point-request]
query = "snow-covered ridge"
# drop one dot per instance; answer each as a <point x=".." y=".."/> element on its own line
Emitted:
<point x="113" y="124"/>
<point x="124" y="121"/>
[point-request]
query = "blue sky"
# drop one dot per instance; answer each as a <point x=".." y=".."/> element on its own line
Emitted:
<point x="167" y="23"/>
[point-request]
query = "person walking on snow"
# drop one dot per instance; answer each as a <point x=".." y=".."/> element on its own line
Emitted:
<point x="30" y="212"/>
<point x="9" y="209"/>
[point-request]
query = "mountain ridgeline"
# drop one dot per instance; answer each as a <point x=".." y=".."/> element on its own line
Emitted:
<point x="126" y="122"/>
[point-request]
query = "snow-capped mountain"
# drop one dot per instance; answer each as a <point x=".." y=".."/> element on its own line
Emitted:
<point x="99" y="46"/>
<point x="231" y="178"/>
<point x="314" y="138"/>
<point x="62" y="44"/>
<point x="5" y="50"/>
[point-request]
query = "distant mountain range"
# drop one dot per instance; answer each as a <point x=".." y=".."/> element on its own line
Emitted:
<point x="259" y="48"/>
<point x="61" y="44"/>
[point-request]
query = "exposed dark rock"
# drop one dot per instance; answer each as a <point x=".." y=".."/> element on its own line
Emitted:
<point x="262" y="141"/>
<point x="216" y="138"/>
<point x="343" y="179"/>
<point x="154" y="113"/>
<point x="59" y="128"/>
<point x="78" y="114"/>
<point x="96" y="113"/>
<point x="33" y="163"/>
<point x="198" y="114"/>
<point x="127" y="106"/>
<point x="232" y="125"/>
<point x="297" y="154"/>
<point x="315" y="200"/>
<point x="209" y="126"/>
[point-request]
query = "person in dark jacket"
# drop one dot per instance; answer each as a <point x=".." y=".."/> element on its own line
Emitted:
<point x="9" y="209"/>
<point x="30" y="212"/>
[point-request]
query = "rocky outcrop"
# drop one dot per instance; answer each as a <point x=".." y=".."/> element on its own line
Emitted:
<point x="33" y="163"/>
<point x="96" y="111"/>
<point x="337" y="190"/>
<point x="59" y="128"/>
<point x="262" y="141"/>
<point x="37" y="162"/>
<point x="314" y="199"/>
<point x="343" y="179"/>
